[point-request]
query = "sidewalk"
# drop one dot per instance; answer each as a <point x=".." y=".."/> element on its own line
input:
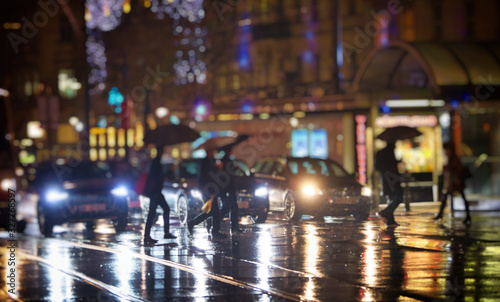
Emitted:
<point x="476" y="202"/>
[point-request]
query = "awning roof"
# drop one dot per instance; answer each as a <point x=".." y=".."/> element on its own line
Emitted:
<point x="431" y="66"/>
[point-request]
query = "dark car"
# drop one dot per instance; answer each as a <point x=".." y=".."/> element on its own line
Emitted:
<point x="185" y="197"/>
<point x="80" y="192"/>
<point x="317" y="187"/>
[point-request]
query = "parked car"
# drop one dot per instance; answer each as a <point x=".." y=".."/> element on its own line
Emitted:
<point x="183" y="195"/>
<point x="313" y="186"/>
<point x="80" y="192"/>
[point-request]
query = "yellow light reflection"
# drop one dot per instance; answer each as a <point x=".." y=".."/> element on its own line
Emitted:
<point x="93" y="154"/>
<point x="102" y="140"/>
<point x="369" y="264"/>
<point x="111" y="153"/>
<point x="311" y="260"/>
<point x="130" y="137"/>
<point x="111" y="137"/>
<point x="92" y="140"/>
<point x="121" y="137"/>
<point x="102" y="154"/>
<point x="122" y="152"/>
<point x="139" y="134"/>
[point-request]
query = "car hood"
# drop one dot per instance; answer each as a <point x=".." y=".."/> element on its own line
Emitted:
<point x="323" y="183"/>
<point x="92" y="184"/>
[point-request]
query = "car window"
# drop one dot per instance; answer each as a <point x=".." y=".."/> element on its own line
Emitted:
<point x="240" y="168"/>
<point x="264" y="167"/>
<point x="278" y="169"/>
<point x="189" y="169"/>
<point x="316" y="167"/>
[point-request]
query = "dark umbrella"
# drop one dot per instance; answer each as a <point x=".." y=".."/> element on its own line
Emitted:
<point x="221" y="142"/>
<point x="170" y="135"/>
<point x="238" y="140"/>
<point x="399" y="133"/>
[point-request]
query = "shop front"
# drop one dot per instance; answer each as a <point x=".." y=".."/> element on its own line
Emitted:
<point x="439" y="89"/>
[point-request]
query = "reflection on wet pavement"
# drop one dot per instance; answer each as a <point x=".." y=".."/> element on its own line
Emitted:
<point x="335" y="260"/>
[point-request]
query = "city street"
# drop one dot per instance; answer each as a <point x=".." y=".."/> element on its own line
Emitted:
<point x="334" y="260"/>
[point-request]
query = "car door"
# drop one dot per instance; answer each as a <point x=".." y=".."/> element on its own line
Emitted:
<point x="271" y="172"/>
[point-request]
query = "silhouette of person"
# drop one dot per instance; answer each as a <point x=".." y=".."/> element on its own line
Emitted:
<point x="228" y="195"/>
<point x="152" y="189"/>
<point x="386" y="163"/>
<point x="209" y="187"/>
<point x="453" y="181"/>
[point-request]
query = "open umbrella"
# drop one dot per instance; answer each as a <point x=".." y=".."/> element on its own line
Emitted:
<point x="216" y="142"/>
<point x="170" y="135"/>
<point x="399" y="133"/>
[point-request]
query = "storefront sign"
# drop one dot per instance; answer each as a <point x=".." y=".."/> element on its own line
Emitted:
<point x="389" y="121"/>
<point x="361" y="147"/>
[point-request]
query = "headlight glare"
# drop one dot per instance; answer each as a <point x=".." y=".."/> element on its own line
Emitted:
<point x="310" y="190"/>
<point x="8" y="183"/>
<point x="120" y="191"/>
<point x="196" y="194"/>
<point x="365" y="191"/>
<point x="55" y="195"/>
<point x="261" y="192"/>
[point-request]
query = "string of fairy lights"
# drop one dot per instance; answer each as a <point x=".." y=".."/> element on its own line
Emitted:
<point x="105" y="15"/>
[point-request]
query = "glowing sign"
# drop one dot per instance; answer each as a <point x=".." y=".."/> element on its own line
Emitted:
<point x="361" y="147"/>
<point x="300" y="143"/>
<point x="388" y="121"/>
<point x="318" y="144"/>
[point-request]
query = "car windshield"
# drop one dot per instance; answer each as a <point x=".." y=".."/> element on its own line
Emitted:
<point x="318" y="167"/>
<point x="188" y="169"/>
<point x="86" y="170"/>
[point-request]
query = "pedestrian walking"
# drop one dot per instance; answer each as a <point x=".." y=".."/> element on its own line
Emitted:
<point x="152" y="189"/>
<point x="387" y="164"/>
<point x="454" y="175"/>
<point x="229" y="197"/>
<point x="210" y="189"/>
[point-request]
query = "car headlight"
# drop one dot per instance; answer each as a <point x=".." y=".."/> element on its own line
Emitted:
<point x="261" y="192"/>
<point x="365" y="191"/>
<point x="120" y="191"/>
<point x="196" y="194"/>
<point x="56" y="195"/>
<point x="311" y="190"/>
<point x="8" y="183"/>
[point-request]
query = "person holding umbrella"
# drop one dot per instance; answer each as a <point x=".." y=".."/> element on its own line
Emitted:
<point x="162" y="136"/>
<point x="152" y="189"/>
<point x="211" y="190"/>
<point x="388" y="165"/>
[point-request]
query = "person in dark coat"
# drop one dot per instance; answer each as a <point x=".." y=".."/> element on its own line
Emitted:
<point x="209" y="187"/>
<point x="386" y="163"/>
<point x="229" y="199"/>
<point x="152" y="189"/>
<point x="453" y="181"/>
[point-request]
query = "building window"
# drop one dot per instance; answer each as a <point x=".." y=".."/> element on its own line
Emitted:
<point x="407" y="25"/>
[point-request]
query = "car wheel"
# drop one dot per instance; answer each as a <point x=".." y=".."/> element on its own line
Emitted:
<point x="120" y="223"/>
<point x="292" y="211"/>
<point x="45" y="221"/>
<point x="260" y="217"/>
<point x="182" y="210"/>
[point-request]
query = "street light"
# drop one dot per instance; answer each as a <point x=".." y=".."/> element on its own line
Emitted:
<point x="161" y="112"/>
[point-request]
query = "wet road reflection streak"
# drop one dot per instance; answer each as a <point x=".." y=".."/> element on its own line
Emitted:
<point x="311" y="258"/>
<point x="222" y="278"/>
<point x="81" y="277"/>
<point x="370" y="264"/>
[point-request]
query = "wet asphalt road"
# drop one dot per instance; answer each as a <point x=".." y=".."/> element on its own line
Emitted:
<point x="331" y="260"/>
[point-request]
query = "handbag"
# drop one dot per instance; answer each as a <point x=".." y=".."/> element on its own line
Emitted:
<point x="140" y="184"/>
<point x="207" y="206"/>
